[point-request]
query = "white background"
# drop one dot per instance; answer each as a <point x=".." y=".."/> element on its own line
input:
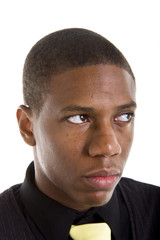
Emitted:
<point x="133" y="26"/>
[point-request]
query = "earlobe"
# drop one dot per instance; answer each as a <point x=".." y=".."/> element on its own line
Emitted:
<point x="24" y="118"/>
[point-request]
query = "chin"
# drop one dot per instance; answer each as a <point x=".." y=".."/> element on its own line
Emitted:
<point x="99" y="198"/>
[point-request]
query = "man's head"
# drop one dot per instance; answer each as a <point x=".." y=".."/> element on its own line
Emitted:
<point x="81" y="96"/>
<point x="61" y="51"/>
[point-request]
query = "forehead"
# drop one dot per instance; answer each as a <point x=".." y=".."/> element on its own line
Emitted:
<point x="105" y="83"/>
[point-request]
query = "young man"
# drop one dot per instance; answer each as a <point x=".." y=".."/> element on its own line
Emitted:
<point x="79" y="94"/>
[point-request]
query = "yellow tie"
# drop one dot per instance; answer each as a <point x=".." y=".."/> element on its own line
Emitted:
<point x="91" y="231"/>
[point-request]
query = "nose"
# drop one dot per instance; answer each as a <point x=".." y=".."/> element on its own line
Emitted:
<point x="105" y="145"/>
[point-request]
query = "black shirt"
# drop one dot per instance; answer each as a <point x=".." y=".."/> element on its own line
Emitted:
<point x="48" y="219"/>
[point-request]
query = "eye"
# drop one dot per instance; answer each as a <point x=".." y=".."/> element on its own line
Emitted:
<point x="78" y="119"/>
<point x="124" y="118"/>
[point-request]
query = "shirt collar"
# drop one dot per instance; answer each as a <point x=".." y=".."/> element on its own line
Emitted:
<point x="50" y="216"/>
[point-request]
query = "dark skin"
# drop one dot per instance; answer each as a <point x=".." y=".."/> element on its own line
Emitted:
<point x="83" y="135"/>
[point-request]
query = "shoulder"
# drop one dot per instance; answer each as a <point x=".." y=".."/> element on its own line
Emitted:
<point x="9" y="208"/>
<point x="7" y="197"/>
<point x="143" y="203"/>
<point x="130" y="185"/>
<point x="12" y="222"/>
<point x="140" y="194"/>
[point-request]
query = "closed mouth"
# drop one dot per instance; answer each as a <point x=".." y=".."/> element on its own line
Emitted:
<point x="102" y="180"/>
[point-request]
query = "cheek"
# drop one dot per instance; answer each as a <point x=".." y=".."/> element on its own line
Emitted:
<point x="126" y="144"/>
<point x="61" y="151"/>
<point x="69" y="142"/>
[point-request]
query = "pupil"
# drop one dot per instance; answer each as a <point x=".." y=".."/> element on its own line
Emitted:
<point x="82" y="117"/>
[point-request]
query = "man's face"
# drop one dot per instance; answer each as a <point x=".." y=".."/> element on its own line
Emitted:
<point x="83" y="135"/>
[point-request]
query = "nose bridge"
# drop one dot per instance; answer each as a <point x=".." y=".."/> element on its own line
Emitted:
<point x="104" y="141"/>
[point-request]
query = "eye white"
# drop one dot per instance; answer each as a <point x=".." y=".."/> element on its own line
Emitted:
<point x="124" y="117"/>
<point x="78" y="119"/>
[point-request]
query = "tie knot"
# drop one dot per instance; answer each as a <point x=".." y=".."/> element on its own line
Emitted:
<point x="91" y="231"/>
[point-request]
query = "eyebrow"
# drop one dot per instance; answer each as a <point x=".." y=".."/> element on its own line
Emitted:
<point x="132" y="104"/>
<point x="78" y="108"/>
<point x="73" y="108"/>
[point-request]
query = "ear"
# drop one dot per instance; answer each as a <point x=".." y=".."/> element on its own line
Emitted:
<point x="25" y="122"/>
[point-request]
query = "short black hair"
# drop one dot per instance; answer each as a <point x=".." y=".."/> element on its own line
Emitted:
<point x="61" y="51"/>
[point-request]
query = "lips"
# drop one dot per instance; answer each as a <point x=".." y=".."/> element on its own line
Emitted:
<point x="102" y="180"/>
